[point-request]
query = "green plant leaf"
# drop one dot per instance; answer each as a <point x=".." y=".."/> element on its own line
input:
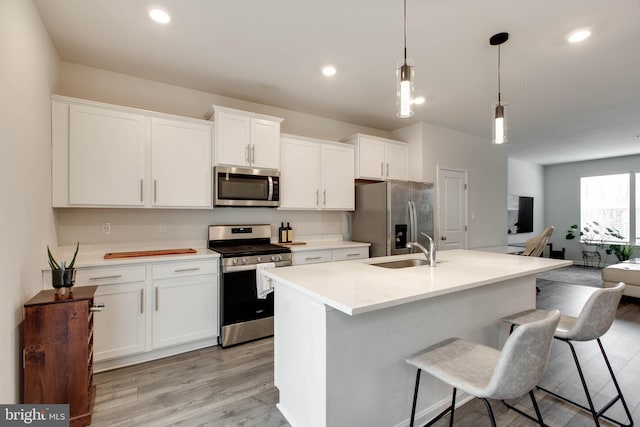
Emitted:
<point x="75" y="254"/>
<point x="52" y="262"/>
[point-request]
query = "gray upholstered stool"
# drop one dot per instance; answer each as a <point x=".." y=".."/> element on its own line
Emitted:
<point x="594" y="320"/>
<point x="488" y="373"/>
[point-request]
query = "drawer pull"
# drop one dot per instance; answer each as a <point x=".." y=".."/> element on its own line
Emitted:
<point x="354" y="254"/>
<point x="313" y="258"/>
<point x="141" y="301"/>
<point x="182" y="270"/>
<point x="105" y="277"/>
<point x="157" y="299"/>
<point x="96" y="307"/>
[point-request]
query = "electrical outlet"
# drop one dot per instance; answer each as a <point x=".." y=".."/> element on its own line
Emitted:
<point x="106" y="228"/>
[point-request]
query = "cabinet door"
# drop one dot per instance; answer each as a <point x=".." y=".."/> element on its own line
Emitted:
<point x="397" y="161"/>
<point x="185" y="309"/>
<point x="120" y="326"/>
<point x="338" y="188"/>
<point x="106" y="157"/>
<point x="265" y="144"/>
<point x="299" y="175"/>
<point x="232" y="139"/>
<point x="180" y="163"/>
<point x="370" y="158"/>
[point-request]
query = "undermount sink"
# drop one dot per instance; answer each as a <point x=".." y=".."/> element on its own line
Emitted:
<point x="403" y="263"/>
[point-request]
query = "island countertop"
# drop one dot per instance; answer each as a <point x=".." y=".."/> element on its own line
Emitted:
<point x="355" y="287"/>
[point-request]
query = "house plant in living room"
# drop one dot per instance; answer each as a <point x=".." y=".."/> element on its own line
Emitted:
<point x="62" y="275"/>
<point x="622" y="251"/>
<point x="591" y="235"/>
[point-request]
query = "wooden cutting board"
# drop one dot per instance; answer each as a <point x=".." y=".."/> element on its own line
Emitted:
<point x="112" y="255"/>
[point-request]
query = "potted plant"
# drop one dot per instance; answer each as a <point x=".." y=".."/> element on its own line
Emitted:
<point x="622" y="251"/>
<point x="591" y="236"/>
<point x="62" y="275"/>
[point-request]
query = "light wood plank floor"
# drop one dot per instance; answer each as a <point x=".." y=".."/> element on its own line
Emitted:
<point x="234" y="386"/>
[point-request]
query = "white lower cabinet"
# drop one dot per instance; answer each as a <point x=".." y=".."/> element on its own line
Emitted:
<point x="328" y="255"/>
<point x="184" y="310"/>
<point x="172" y="306"/>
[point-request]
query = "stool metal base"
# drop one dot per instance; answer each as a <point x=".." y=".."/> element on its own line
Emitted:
<point x="596" y="414"/>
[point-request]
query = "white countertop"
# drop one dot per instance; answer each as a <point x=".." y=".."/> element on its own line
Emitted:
<point x="355" y="287"/>
<point x="329" y="244"/>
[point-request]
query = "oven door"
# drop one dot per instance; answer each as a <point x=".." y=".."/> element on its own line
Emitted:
<point x="243" y="316"/>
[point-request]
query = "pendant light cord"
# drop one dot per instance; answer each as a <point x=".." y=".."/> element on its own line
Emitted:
<point x="405" y="32"/>
<point x="498" y="74"/>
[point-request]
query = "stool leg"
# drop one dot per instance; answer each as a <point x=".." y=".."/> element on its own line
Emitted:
<point x="490" y="411"/>
<point x="615" y="383"/>
<point x="415" y="398"/>
<point x="535" y="406"/>
<point x="453" y="406"/>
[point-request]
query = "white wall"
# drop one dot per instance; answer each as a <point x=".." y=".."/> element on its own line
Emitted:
<point x="527" y="179"/>
<point x="562" y="196"/>
<point x="487" y="167"/>
<point x="27" y="76"/>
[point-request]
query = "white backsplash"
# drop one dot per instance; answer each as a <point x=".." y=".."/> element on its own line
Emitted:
<point x="157" y="228"/>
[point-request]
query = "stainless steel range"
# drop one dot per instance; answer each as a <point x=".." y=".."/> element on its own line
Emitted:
<point x="244" y="316"/>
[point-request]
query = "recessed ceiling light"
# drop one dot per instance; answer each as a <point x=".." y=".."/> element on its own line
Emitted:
<point x="418" y="100"/>
<point x="329" y="70"/>
<point x="160" y="16"/>
<point x="578" y="36"/>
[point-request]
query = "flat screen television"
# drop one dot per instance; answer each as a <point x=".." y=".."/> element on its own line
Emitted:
<point x="520" y="214"/>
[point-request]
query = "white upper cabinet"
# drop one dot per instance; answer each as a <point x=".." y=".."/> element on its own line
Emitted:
<point x="106" y="157"/>
<point x="180" y="163"/>
<point x="316" y="174"/>
<point x="246" y="139"/>
<point x="380" y="158"/>
<point x="110" y="156"/>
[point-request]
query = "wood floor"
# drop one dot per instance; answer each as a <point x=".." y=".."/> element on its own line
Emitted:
<point x="234" y="386"/>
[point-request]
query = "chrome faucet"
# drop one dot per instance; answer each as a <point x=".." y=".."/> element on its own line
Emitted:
<point x="429" y="253"/>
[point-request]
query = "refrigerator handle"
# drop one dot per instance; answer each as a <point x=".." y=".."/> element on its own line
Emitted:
<point x="411" y="232"/>
<point x="414" y="225"/>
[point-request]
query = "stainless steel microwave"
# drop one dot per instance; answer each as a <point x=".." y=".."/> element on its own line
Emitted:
<point x="234" y="186"/>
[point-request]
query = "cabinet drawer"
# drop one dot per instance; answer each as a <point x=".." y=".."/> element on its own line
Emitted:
<point x="350" y="253"/>
<point x="310" y="257"/>
<point x="184" y="269"/>
<point x="110" y="275"/>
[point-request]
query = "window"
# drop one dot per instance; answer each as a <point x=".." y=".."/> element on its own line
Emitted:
<point x="606" y="200"/>
<point x="637" y="208"/>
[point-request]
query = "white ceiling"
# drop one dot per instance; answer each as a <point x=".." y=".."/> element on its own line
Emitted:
<point x="566" y="102"/>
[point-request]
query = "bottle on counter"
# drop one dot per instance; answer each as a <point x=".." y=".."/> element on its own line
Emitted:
<point x="289" y="232"/>
<point x="282" y="233"/>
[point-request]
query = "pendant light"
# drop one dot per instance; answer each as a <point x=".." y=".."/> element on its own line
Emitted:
<point x="404" y="74"/>
<point x="499" y="111"/>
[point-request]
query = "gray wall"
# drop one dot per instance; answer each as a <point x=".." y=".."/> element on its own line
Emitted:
<point x="27" y="76"/>
<point x="562" y="195"/>
<point x="527" y="179"/>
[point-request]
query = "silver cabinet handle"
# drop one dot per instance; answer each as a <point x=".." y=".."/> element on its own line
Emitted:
<point x="180" y="270"/>
<point x="105" y="277"/>
<point x="253" y="153"/>
<point x="155" y="191"/>
<point x="317" y="197"/>
<point x="382" y="169"/>
<point x="246" y="154"/>
<point x="142" y="190"/>
<point x="312" y="258"/>
<point x="142" y="301"/>
<point x="355" y="254"/>
<point x="387" y="169"/>
<point x="157" y="300"/>
<point x="324" y="197"/>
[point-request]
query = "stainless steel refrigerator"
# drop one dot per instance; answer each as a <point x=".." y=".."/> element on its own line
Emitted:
<point x="389" y="214"/>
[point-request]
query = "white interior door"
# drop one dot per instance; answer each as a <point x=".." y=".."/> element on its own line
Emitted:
<point x="452" y="210"/>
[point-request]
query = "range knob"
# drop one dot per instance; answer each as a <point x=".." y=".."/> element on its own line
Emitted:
<point x="279" y="257"/>
<point x="273" y="257"/>
<point x="235" y="260"/>
<point x="244" y="260"/>
<point x="259" y="259"/>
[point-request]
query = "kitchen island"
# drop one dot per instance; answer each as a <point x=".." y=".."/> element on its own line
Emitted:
<point x="344" y="329"/>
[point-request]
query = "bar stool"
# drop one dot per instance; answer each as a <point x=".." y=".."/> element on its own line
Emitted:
<point x="488" y="373"/>
<point x="594" y="320"/>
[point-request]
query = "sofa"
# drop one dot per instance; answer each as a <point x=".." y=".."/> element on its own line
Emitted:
<point x="627" y="272"/>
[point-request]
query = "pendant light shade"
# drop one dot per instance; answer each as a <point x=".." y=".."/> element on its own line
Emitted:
<point x="499" y="123"/>
<point x="404" y="77"/>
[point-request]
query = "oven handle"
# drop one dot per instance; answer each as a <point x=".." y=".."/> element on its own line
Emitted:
<point x="235" y="268"/>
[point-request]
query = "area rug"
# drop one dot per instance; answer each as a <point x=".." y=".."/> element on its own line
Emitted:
<point x="574" y="274"/>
